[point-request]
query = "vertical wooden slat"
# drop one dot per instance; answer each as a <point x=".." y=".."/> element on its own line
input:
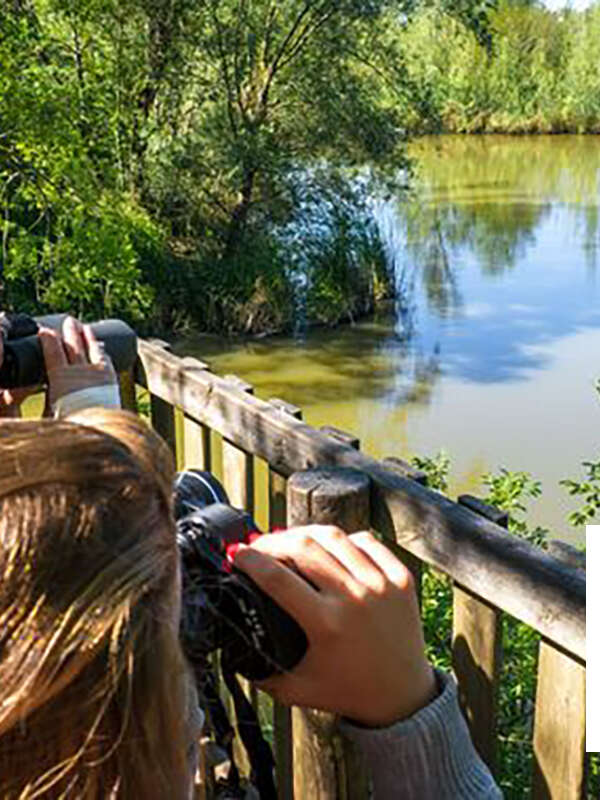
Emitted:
<point x="196" y="444"/>
<point x="196" y="436"/>
<point x="238" y="479"/>
<point x="127" y="390"/>
<point x="477" y="652"/>
<point x="405" y="469"/>
<point x="326" y="766"/>
<point x="476" y="660"/>
<point x="162" y="414"/>
<point x="282" y="715"/>
<point x="238" y="466"/>
<point x="559" y="724"/>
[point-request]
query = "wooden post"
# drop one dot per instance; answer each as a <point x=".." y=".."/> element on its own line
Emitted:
<point x="341" y="436"/>
<point x="477" y="651"/>
<point x="163" y="420"/>
<point x="559" y="725"/>
<point x="282" y="715"/>
<point x="127" y="390"/>
<point x="196" y="436"/>
<point x="326" y="766"/>
<point x="402" y="467"/>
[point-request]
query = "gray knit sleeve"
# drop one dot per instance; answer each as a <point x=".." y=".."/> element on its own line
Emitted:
<point x="429" y="756"/>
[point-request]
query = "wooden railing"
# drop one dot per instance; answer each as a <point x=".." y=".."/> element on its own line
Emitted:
<point x="493" y="572"/>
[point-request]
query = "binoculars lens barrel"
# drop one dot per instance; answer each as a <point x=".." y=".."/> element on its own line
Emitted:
<point x="23" y="362"/>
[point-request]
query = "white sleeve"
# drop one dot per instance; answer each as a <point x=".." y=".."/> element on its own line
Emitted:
<point x="106" y="396"/>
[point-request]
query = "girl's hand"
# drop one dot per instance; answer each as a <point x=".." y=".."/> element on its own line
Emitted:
<point x="74" y="361"/>
<point x="357" y="605"/>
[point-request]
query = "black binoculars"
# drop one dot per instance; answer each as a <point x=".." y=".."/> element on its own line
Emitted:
<point x="23" y="362"/>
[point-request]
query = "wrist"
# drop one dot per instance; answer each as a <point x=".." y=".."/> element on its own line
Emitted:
<point x="421" y="691"/>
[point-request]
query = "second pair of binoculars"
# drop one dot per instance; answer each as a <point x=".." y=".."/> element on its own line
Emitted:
<point x="23" y="361"/>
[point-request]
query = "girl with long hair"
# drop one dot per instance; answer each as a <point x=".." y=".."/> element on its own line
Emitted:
<point x="93" y="684"/>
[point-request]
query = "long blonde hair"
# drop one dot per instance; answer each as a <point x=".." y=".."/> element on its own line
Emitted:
<point x="92" y="696"/>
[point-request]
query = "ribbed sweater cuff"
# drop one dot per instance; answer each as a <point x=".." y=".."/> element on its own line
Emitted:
<point x="428" y="756"/>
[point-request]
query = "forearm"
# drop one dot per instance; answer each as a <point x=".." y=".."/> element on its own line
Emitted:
<point x="429" y="756"/>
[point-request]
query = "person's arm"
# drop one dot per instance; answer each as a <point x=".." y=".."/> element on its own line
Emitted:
<point x="366" y="660"/>
<point x="429" y="756"/>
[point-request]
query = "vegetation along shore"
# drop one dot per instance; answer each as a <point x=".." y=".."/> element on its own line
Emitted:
<point x="212" y="166"/>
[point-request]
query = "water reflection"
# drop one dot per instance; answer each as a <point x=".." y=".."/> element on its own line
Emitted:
<point x="492" y="350"/>
<point x="486" y="206"/>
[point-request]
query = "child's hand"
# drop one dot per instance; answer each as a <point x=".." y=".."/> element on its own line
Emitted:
<point x="357" y="605"/>
<point x="75" y="361"/>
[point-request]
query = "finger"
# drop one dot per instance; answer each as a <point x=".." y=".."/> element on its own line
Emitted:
<point x="385" y="560"/>
<point x="52" y="347"/>
<point x="353" y="558"/>
<point x="288" y="589"/>
<point x="95" y="349"/>
<point x="74" y="342"/>
<point x="300" y="549"/>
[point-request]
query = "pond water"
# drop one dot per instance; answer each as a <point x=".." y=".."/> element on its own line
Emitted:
<point x="492" y="355"/>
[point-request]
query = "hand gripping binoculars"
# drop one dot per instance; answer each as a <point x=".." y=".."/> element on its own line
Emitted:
<point x="23" y="362"/>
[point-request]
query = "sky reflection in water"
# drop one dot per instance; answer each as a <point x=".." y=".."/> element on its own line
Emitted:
<point x="498" y="259"/>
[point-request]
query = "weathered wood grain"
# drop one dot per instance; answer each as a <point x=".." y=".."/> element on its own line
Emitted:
<point x="282" y="715"/>
<point x="475" y="552"/>
<point x="477" y="651"/>
<point x="492" y="513"/>
<point x="327" y="766"/>
<point x="477" y="660"/>
<point x="559" y="726"/>
<point x="567" y="553"/>
<point x="341" y="436"/>
<point x="414" y="564"/>
<point x="196" y="436"/>
<point x="402" y="467"/>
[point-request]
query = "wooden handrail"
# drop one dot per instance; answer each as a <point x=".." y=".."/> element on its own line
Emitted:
<point x="501" y="569"/>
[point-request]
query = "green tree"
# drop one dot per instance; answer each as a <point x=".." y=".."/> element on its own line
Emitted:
<point x="180" y="133"/>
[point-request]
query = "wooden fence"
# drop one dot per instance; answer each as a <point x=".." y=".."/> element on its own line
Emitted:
<point x="493" y="572"/>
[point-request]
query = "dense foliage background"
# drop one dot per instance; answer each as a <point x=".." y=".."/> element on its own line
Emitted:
<point x="537" y="74"/>
<point x="212" y="163"/>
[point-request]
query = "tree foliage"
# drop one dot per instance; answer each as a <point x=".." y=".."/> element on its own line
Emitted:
<point x="150" y="149"/>
<point x="527" y="70"/>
